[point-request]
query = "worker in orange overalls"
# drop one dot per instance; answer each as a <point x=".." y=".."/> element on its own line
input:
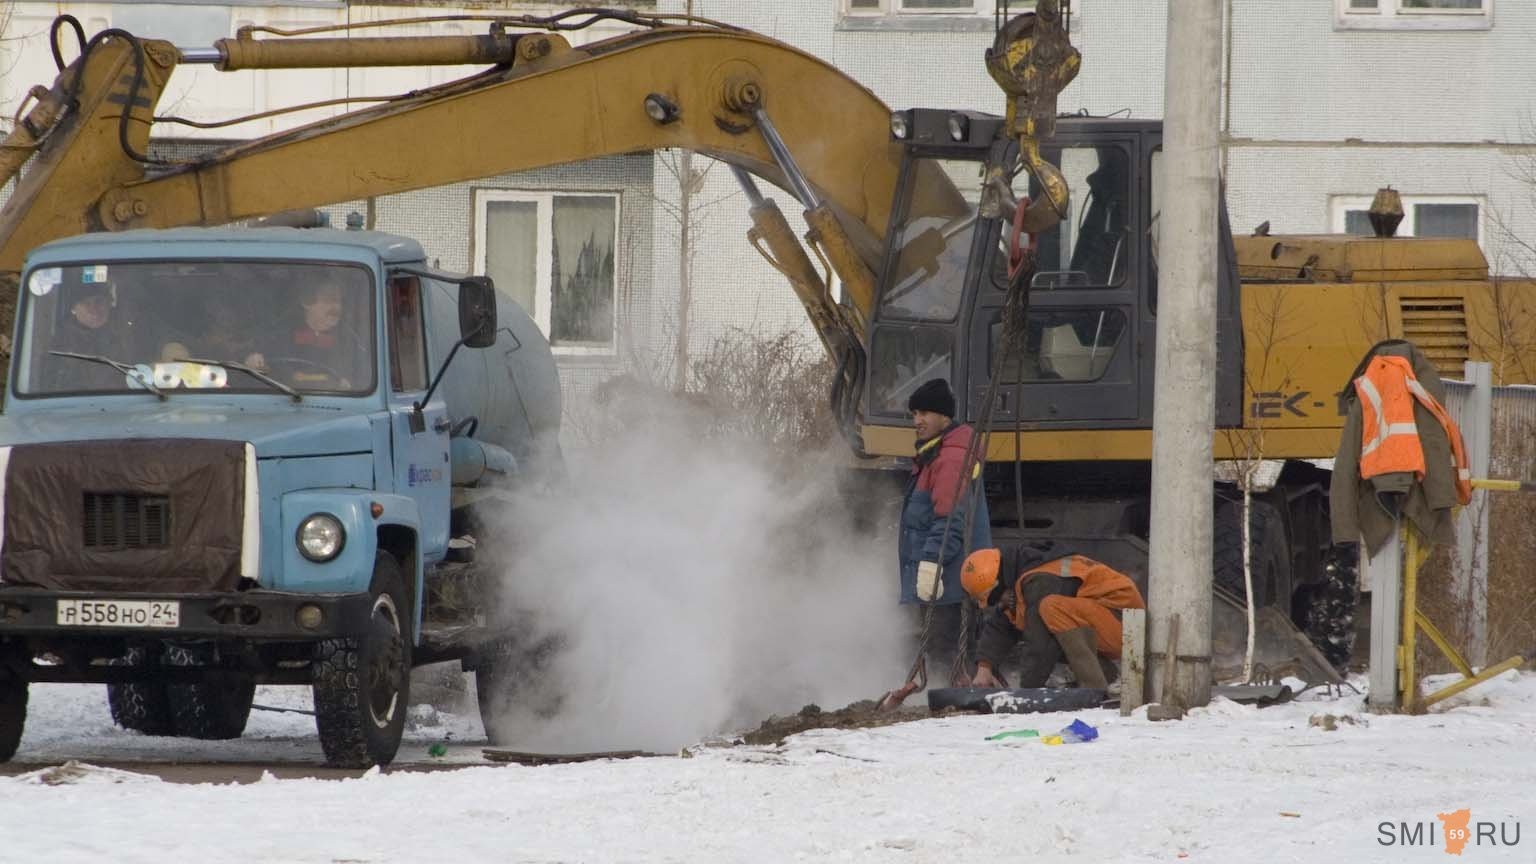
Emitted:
<point x="1050" y="605"/>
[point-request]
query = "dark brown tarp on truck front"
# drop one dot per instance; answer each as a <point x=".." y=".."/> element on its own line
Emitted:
<point x="158" y="515"/>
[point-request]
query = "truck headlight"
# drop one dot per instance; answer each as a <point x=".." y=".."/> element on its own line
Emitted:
<point x="321" y="537"/>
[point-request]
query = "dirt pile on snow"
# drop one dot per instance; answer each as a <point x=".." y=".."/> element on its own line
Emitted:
<point x="859" y="715"/>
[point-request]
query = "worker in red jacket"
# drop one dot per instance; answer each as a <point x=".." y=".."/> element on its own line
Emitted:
<point x="944" y="497"/>
<point x="1049" y="604"/>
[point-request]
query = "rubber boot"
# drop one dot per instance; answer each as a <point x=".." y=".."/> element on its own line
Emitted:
<point x="1111" y="671"/>
<point x="1079" y="644"/>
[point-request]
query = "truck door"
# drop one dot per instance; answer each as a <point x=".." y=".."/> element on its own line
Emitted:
<point x="420" y="441"/>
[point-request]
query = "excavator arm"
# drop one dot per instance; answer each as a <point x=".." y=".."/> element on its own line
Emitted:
<point x="81" y="162"/>
<point x="732" y="95"/>
<point x="763" y="107"/>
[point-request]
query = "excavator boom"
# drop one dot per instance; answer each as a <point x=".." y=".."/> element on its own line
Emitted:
<point x="543" y="103"/>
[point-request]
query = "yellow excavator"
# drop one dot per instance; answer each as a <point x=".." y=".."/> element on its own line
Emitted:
<point x="914" y="212"/>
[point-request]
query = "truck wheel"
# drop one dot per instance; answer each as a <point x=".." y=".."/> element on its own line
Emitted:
<point x="362" y="685"/>
<point x="13" y="715"/>
<point x="1270" y="555"/>
<point x="495" y="684"/>
<point x="1327" y="610"/>
<point x="140" y="706"/>
<point x="521" y="675"/>
<point x="213" y="711"/>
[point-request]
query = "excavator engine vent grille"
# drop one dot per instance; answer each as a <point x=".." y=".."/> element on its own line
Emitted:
<point x="1438" y="325"/>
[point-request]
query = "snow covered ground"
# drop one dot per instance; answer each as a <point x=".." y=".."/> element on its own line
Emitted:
<point x="1229" y="784"/>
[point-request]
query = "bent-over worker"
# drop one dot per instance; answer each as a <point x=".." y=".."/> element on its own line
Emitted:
<point x="1048" y="604"/>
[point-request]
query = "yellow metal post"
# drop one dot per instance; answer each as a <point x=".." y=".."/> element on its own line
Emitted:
<point x="1443" y="644"/>
<point x="1514" y="662"/>
<point x="1408" y="686"/>
<point x="1415" y="551"/>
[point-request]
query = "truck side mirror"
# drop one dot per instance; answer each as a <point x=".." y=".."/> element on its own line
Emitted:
<point x="477" y="311"/>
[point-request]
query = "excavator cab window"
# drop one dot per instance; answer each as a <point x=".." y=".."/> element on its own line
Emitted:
<point x="1063" y="345"/>
<point x="933" y="243"/>
<point x="1090" y="247"/>
<point x="928" y="268"/>
<point x="905" y="357"/>
<point x="1078" y="361"/>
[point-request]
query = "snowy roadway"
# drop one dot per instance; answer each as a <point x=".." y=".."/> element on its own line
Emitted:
<point x="1230" y="784"/>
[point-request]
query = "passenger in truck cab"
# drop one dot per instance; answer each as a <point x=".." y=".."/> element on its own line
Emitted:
<point x="319" y="351"/>
<point x="87" y="327"/>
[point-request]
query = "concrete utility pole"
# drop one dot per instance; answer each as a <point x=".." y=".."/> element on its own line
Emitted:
<point x="684" y="265"/>
<point x="685" y="258"/>
<point x="1183" y="415"/>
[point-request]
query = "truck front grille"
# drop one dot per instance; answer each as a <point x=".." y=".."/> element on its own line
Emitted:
<point x="115" y="520"/>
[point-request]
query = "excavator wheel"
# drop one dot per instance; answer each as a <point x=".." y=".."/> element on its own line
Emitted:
<point x="1269" y="556"/>
<point x="1326" y="610"/>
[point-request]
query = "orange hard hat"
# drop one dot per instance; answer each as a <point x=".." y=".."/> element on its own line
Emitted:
<point x="978" y="576"/>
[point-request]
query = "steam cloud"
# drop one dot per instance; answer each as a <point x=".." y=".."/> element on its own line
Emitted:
<point x="695" y="588"/>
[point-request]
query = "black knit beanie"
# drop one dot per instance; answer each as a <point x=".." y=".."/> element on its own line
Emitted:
<point x="934" y="396"/>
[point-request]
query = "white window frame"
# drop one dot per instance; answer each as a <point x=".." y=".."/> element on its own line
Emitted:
<point x="894" y="8"/>
<point x="1338" y="205"/>
<point x="544" y="246"/>
<point x="1392" y="15"/>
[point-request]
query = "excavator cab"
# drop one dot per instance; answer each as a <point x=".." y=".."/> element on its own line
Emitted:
<point x="1086" y="357"/>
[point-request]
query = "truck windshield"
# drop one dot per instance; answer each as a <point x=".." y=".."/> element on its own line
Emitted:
<point x="307" y="325"/>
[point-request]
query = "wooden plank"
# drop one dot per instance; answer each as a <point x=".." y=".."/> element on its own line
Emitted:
<point x="522" y="758"/>
<point x="1165" y="708"/>
<point x="1133" y="661"/>
<point x="1170" y="658"/>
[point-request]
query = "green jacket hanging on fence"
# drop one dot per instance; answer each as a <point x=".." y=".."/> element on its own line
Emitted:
<point x="1368" y="509"/>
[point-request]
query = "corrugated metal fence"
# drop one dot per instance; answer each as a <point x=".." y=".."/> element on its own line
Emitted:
<point x="1490" y="599"/>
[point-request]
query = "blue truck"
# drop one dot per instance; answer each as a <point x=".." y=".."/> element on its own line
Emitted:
<point x="240" y="456"/>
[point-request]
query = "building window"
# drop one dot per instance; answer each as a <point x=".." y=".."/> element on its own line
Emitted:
<point x="938" y="15"/>
<point x="1414" y="14"/>
<point x="1423" y="216"/>
<point x="922" y="7"/>
<point x="555" y="253"/>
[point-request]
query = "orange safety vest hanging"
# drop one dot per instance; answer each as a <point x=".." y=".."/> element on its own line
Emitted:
<point x="1389" y="437"/>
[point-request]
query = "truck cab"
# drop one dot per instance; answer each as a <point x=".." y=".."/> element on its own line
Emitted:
<point x="232" y="457"/>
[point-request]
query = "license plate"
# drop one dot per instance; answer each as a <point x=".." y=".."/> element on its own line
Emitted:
<point x="119" y="613"/>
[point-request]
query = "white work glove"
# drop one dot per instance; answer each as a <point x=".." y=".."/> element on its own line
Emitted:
<point x="929" y="588"/>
